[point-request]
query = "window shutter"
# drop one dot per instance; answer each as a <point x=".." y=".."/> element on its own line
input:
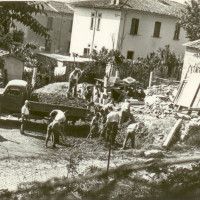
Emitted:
<point x="157" y="29"/>
<point x="134" y="26"/>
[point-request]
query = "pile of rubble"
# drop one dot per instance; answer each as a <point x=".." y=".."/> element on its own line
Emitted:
<point x="56" y="93"/>
<point x="159" y="100"/>
<point x="190" y="131"/>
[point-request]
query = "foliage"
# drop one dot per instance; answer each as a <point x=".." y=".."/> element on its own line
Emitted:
<point x="92" y="71"/>
<point x="25" y="52"/>
<point x="22" y="12"/>
<point x="190" y="19"/>
<point x="163" y="62"/>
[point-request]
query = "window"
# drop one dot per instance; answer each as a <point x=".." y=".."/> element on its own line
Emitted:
<point x="50" y="23"/>
<point x="134" y="26"/>
<point x="86" y="51"/>
<point x="130" y="55"/>
<point x="177" y="32"/>
<point x="92" y="21"/>
<point x="157" y="29"/>
<point x="99" y="21"/>
<point x="13" y="91"/>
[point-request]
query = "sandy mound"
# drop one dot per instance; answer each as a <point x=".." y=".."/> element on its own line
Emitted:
<point x="56" y="93"/>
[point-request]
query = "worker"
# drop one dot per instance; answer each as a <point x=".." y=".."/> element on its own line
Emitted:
<point x="58" y="119"/>
<point x="104" y="113"/>
<point x="24" y="115"/>
<point x="126" y="116"/>
<point x="112" y="122"/>
<point x="130" y="134"/>
<point x="88" y="94"/>
<point x="73" y="81"/>
<point x="94" y="126"/>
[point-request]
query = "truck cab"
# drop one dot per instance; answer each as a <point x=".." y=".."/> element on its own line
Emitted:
<point x="14" y="95"/>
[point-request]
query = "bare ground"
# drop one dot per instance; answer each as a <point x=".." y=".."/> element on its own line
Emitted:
<point x="24" y="158"/>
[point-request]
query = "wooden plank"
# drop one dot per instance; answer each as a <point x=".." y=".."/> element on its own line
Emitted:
<point x="179" y="92"/>
<point x="172" y="133"/>
<point x="195" y="96"/>
<point x="190" y="88"/>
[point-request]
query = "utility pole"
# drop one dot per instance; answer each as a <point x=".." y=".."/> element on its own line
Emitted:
<point x="94" y="31"/>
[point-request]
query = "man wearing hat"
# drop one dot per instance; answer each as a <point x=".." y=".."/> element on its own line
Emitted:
<point x="73" y="81"/>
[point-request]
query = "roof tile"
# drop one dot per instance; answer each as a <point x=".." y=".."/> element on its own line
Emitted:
<point x="163" y="7"/>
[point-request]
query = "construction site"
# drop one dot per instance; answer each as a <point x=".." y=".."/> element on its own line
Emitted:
<point x="163" y="163"/>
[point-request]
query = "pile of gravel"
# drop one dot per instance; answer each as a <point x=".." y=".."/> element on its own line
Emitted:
<point x="56" y="93"/>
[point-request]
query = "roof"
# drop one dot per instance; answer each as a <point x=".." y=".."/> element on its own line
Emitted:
<point x="56" y="6"/>
<point x="194" y="44"/>
<point x="17" y="82"/>
<point x="163" y="7"/>
<point x="62" y="58"/>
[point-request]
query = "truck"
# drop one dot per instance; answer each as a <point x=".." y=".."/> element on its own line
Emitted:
<point x="13" y="96"/>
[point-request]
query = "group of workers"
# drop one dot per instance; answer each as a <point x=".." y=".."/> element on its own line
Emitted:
<point x="55" y="126"/>
<point x="107" y="122"/>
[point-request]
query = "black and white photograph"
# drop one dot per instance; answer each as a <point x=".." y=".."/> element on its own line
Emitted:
<point x="100" y="100"/>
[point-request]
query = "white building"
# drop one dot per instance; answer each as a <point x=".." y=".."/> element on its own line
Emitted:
<point x="135" y="27"/>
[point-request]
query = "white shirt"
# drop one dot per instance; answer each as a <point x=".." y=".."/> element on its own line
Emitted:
<point x="133" y="127"/>
<point x="125" y="106"/>
<point x="25" y="110"/>
<point x="74" y="75"/>
<point x="113" y="117"/>
<point x="60" y="116"/>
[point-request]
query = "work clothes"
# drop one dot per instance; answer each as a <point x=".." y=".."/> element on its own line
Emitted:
<point x="24" y="117"/>
<point x="131" y="131"/>
<point x="25" y="110"/>
<point x="112" y="122"/>
<point x="52" y="129"/>
<point x="113" y="116"/>
<point x="58" y="115"/>
<point x="94" y="127"/>
<point x="56" y="127"/>
<point x="73" y="81"/>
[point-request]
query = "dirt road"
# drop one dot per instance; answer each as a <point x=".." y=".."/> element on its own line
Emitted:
<point x="24" y="158"/>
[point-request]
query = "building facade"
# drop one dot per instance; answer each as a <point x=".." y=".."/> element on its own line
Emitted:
<point x="58" y="20"/>
<point x="134" y="27"/>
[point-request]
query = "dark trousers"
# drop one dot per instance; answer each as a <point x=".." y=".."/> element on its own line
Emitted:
<point x="111" y="132"/>
<point x="130" y="135"/>
<point x="24" y="119"/>
<point x="72" y="87"/>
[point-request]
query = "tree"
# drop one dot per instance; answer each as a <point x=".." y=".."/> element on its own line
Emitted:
<point x="22" y="12"/>
<point x="190" y="19"/>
